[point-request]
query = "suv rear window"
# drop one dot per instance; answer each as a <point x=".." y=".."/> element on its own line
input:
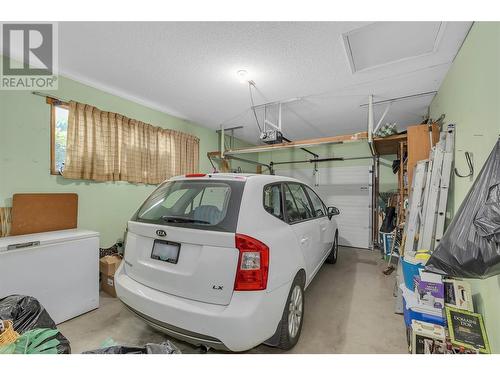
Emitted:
<point x="199" y="204"/>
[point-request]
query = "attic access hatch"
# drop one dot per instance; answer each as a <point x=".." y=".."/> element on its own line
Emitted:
<point x="383" y="43"/>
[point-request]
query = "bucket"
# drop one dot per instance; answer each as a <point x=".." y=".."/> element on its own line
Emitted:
<point x="410" y="270"/>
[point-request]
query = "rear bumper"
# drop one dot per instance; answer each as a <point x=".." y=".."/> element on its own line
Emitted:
<point x="249" y="319"/>
<point x="179" y="333"/>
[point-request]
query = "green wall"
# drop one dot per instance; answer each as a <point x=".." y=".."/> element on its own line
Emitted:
<point x="470" y="98"/>
<point x="388" y="181"/>
<point x="25" y="155"/>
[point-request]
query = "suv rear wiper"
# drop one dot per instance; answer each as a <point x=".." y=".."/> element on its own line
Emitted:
<point x="180" y="219"/>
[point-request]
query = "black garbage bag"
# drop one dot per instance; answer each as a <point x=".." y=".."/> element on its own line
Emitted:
<point x="27" y="314"/>
<point x="389" y="222"/>
<point x="470" y="247"/>
<point x="164" y="348"/>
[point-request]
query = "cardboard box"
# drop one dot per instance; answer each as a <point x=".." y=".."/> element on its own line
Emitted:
<point x="430" y="289"/>
<point x="458" y="294"/>
<point x="108" y="266"/>
<point x="427" y="338"/>
<point x="108" y="285"/>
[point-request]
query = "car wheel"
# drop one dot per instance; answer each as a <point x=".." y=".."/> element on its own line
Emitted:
<point x="334" y="252"/>
<point x="293" y="315"/>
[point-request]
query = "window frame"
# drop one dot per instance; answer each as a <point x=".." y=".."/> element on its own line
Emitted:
<point x="325" y="209"/>
<point x="53" y="104"/>
<point x="282" y="202"/>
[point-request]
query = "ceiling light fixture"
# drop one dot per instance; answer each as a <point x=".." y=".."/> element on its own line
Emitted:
<point x="243" y="76"/>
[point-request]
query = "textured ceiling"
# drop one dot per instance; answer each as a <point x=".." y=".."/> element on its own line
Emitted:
<point x="189" y="70"/>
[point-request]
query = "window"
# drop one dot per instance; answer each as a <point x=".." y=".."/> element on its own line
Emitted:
<point x="272" y="200"/>
<point x="172" y="198"/>
<point x="214" y="196"/>
<point x="188" y="202"/>
<point x="297" y="204"/>
<point x="58" y="135"/>
<point x="318" y="206"/>
<point x="194" y="204"/>
<point x="90" y="144"/>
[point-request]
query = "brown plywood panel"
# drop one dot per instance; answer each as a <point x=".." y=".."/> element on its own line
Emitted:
<point x="419" y="145"/>
<point x="43" y="212"/>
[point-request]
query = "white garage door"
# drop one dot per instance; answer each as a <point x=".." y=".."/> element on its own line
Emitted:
<point x="348" y="189"/>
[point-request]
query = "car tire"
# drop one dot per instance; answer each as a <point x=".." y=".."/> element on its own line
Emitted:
<point x="290" y="326"/>
<point x="334" y="252"/>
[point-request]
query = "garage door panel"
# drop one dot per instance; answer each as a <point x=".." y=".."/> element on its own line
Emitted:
<point x="346" y="188"/>
<point x="351" y="239"/>
<point x="344" y="176"/>
<point x="349" y="191"/>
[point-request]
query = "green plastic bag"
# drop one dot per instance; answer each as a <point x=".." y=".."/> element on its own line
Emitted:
<point x="37" y="341"/>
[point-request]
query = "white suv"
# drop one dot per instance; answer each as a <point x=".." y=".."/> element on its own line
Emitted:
<point x="222" y="260"/>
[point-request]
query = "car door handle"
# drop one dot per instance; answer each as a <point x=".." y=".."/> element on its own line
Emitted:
<point x="304" y="240"/>
<point x="323" y="228"/>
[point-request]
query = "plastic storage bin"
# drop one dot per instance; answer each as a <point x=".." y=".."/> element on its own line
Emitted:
<point x="386" y="239"/>
<point x="410" y="270"/>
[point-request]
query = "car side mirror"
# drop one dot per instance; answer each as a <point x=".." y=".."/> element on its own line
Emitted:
<point x="333" y="211"/>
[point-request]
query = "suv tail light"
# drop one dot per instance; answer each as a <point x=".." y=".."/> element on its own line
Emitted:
<point x="253" y="264"/>
<point x="195" y="175"/>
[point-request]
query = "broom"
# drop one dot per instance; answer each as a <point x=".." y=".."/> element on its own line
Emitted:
<point x="397" y="238"/>
<point x="390" y="268"/>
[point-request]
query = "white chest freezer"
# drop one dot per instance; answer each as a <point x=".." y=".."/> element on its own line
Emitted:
<point x="60" y="269"/>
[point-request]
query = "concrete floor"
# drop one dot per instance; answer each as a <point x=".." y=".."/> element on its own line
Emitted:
<point x="349" y="309"/>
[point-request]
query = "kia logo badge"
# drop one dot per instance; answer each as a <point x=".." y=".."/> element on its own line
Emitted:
<point x="161" y="233"/>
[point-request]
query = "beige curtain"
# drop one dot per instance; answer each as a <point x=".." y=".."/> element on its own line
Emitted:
<point x="5" y="221"/>
<point x="106" y="146"/>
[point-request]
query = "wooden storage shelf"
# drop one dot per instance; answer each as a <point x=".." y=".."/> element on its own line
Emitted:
<point x="388" y="145"/>
<point x="416" y="144"/>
